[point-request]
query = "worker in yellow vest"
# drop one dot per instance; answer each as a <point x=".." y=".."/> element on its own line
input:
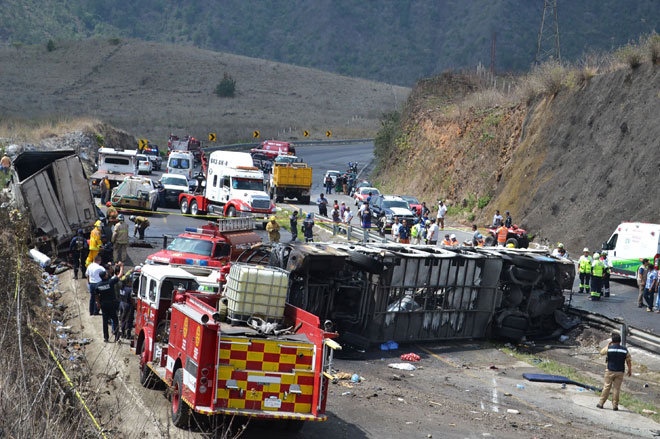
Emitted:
<point x="597" y="272"/>
<point x="95" y="242"/>
<point x="584" y="270"/>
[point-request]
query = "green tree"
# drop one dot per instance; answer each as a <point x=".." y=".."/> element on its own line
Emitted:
<point x="227" y="87"/>
<point x="50" y="46"/>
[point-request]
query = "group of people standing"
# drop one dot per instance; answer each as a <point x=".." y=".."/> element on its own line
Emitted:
<point x="647" y="282"/>
<point x="594" y="273"/>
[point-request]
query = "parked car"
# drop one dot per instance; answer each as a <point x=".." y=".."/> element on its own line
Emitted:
<point x="145" y="165"/>
<point x="363" y="193"/>
<point x="385" y="207"/>
<point x="174" y="185"/>
<point x="358" y="185"/>
<point x="413" y="202"/>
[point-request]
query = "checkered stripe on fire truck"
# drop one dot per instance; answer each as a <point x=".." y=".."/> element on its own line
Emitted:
<point x="262" y="369"/>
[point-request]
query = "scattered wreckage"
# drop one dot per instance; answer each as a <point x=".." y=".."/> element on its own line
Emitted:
<point x="379" y="292"/>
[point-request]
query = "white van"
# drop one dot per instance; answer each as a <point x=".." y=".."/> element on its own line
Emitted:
<point x="181" y="162"/>
<point x="629" y="244"/>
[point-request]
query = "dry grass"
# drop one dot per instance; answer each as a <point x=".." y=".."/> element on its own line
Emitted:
<point x="33" y="131"/>
<point x="652" y="45"/>
<point x="631" y="55"/>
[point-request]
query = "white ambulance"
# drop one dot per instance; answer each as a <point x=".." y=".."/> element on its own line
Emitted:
<point x="629" y="244"/>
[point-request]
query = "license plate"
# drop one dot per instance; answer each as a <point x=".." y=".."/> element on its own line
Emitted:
<point x="272" y="403"/>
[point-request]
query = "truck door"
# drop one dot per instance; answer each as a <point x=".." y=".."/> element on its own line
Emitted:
<point x="73" y="192"/>
<point x="225" y="190"/>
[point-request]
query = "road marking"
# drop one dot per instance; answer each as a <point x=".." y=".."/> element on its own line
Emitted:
<point x="473" y="375"/>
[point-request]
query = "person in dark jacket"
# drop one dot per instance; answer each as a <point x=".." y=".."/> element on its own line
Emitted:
<point x="508" y="221"/>
<point x="293" y="224"/>
<point x="126" y="306"/>
<point x="308" y="228"/>
<point x="618" y="358"/>
<point x="107" y="301"/>
<point x="78" y="252"/>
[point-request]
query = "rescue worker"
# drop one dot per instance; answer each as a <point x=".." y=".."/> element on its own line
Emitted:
<point x="415" y="232"/>
<point x="308" y="228"/>
<point x="323" y="205"/>
<point x="94" y="242"/>
<point x="111" y="213"/>
<point x="606" y="276"/>
<point x="126" y="307"/>
<point x="479" y="241"/>
<point x="293" y="224"/>
<point x="93" y="274"/>
<point x="404" y="233"/>
<point x="618" y="358"/>
<point x="584" y="270"/>
<point x="502" y="232"/>
<point x="273" y="229"/>
<point x="107" y="302"/>
<point x="141" y="224"/>
<point x="447" y="240"/>
<point x="560" y="246"/>
<point x="508" y="221"/>
<point x="453" y="241"/>
<point x="120" y="240"/>
<point x="104" y="186"/>
<point x="642" y="273"/>
<point x="77" y="253"/>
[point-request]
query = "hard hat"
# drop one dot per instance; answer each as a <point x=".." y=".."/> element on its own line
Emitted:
<point x="428" y="221"/>
<point x="272" y="218"/>
<point x="452" y="236"/>
<point x="109" y="203"/>
<point x="510" y="245"/>
<point x="120" y="217"/>
<point x="480" y="236"/>
<point x="603" y="253"/>
<point x="560" y="245"/>
<point x="132" y="217"/>
<point x="596" y="255"/>
<point x="98" y="223"/>
<point x="585" y="250"/>
<point x="309" y="214"/>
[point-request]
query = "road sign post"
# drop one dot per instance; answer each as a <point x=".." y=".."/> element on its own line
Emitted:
<point x="256" y="134"/>
<point x="212" y="137"/>
<point x="328" y="133"/>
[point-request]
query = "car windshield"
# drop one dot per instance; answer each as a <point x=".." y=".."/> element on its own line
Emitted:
<point x="188" y="245"/>
<point x="174" y="181"/>
<point x="395" y="204"/>
<point x="367" y="190"/>
<point x="247" y="184"/>
<point x="142" y="158"/>
<point x="411" y="200"/>
<point x="179" y="163"/>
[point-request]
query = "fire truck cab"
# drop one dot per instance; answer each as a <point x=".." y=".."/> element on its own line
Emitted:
<point x="214" y="368"/>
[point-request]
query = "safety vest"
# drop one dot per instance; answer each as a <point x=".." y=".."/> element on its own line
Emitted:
<point x="445" y="242"/>
<point x="415" y="231"/>
<point x="598" y="268"/>
<point x="120" y="234"/>
<point x="95" y="239"/>
<point x="616" y="358"/>
<point x="502" y="233"/>
<point x="585" y="264"/>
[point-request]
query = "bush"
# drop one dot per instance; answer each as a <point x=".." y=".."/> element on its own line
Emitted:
<point x="227" y="87"/>
<point x="483" y="201"/>
<point x="652" y="44"/>
<point x="631" y="55"/>
<point x="386" y="136"/>
<point x="50" y="46"/>
<point x="114" y="41"/>
<point x="585" y="74"/>
<point x="551" y="75"/>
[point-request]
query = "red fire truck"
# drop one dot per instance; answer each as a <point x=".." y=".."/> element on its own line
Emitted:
<point x="214" y="368"/>
<point x="273" y="148"/>
<point x="213" y="245"/>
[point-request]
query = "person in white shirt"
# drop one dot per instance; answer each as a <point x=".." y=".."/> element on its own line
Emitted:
<point x="442" y="211"/>
<point x="348" y="216"/>
<point x="395" y="229"/>
<point x="93" y="274"/>
<point x="497" y="219"/>
<point x="433" y="233"/>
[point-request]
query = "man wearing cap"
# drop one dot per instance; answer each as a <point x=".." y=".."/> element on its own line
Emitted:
<point x="618" y="358"/>
<point x="119" y="240"/>
<point x="273" y="230"/>
<point x="141" y="224"/>
<point x="556" y="252"/>
<point x="111" y="213"/>
<point x="442" y="211"/>
<point x="308" y="228"/>
<point x="597" y="273"/>
<point x="432" y="233"/>
<point x="584" y="270"/>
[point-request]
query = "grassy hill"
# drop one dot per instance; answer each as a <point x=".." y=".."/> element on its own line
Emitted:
<point x="397" y="41"/>
<point x="151" y="89"/>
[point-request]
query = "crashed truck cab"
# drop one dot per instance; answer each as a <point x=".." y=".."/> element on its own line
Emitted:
<point x="195" y="338"/>
<point x="379" y="292"/>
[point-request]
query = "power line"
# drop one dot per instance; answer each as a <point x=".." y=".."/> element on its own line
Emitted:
<point x="547" y="45"/>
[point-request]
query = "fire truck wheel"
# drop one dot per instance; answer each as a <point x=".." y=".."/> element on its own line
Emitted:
<point x="294" y="425"/>
<point x="231" y="211"/>
<point x="146" y="376"/>
<point x="180" y="410"/>
<point x="193" y="208"/>
<point x="184" y="206"/>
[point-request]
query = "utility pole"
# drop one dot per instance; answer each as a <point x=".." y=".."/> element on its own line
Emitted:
<point x="493" y="45"/>
<point x="547" y="45"/>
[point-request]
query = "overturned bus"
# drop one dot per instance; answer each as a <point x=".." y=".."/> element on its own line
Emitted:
<point x="378" y="292"/>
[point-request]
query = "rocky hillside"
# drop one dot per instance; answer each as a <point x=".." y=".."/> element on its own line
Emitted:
<point x="569" y="164"/>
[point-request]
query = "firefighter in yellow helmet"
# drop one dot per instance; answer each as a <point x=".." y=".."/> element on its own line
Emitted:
<point x="273" y="230"/>
<point x="94" y="242"/>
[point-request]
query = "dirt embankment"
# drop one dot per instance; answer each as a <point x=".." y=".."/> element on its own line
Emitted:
<point x="569" y="167"/>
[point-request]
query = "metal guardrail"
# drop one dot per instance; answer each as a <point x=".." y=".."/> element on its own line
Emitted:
<point x="247" y="146"/>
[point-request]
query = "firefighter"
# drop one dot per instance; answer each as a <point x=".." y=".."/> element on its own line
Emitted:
<point x="606" y="276"/>
<point x="111" y="214"/>
<point x="273" y="230"/>
<point x="77" y="252"/>
<point x="141" y="224"/>
<point x="584" y="269"/>
<point x="618" y="358"/>
<point x="94" y="242"/>
<point x="502" y="232"/>
<point x="120" y="239"/>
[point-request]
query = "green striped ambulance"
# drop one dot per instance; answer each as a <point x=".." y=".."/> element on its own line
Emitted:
<point x="629" y="244"/>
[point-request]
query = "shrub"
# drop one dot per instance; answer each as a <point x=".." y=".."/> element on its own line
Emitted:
<point x="99" y="140"/>
<point x="483" y="201"/>
<point x="551" y="75"/>
<point x="114" y="41"/>
<point x="631" y="55"/>
<point x="652" y="44"/>
<point x="50" y="46"/>
<point x="471" y="217"/>
<point x="227" y="87"/>
<point x="585" y="74"/>
<point x="386" y="136"/>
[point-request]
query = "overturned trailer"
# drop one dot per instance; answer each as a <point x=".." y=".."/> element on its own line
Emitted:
<point x="379" y="292"/>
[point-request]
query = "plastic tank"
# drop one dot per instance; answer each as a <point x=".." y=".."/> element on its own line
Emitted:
<point x="255" y="290"/>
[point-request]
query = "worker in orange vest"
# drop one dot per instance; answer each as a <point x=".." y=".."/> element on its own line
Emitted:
<point x="95" y="243"/>
<point x="502" y="233"/>
<point x="446" y="241"/>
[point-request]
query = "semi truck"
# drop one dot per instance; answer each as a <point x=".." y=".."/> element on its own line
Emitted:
<point x="116" y="164"/>
<point x="51" y="189"/>
<point x="186" y="143"/>
<point x="215" y="368"/>
<point x="231" y="187"/>
<point x="291" y="178"/>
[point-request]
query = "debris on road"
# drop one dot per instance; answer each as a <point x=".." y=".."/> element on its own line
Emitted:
<point x="402" y="366"/>
<point x="410" y="357"/>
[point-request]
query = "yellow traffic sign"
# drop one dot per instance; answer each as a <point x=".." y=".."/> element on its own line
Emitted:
<point x="328" y="133"/>
<point x="212" y="137"/>
<point x="255" y="134"/>
<point x="143" y="144"/>
<point x="306" y="133"/>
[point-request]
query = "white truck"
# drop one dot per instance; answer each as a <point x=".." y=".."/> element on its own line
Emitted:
<point x="181" y="162"/>
<point x="629" y="244"/>
<point x="116" y="164"/>
<point x="233" y="187"/>
<point x="50" y="187"/>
